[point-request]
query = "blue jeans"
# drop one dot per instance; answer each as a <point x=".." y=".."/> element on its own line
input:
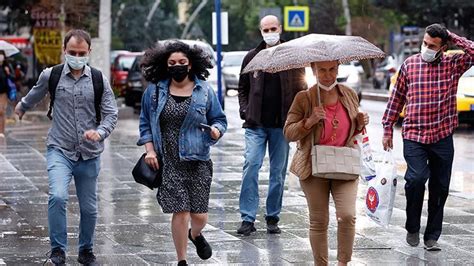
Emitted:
<point x="60" y="173"/>
<point x="256" y="140"/>
<point x="427" y="161"/>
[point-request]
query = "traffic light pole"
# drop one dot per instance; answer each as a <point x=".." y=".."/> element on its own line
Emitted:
<point x="217" y="4"/>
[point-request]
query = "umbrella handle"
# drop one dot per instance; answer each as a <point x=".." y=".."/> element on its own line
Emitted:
<point x="319" y="94"/>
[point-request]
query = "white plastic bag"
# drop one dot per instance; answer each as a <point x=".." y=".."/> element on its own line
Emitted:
<point x="367" y="164"/>
<point x="381" y="191"/>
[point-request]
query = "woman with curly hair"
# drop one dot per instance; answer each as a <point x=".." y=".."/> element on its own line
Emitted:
<point x="180" y="119"/>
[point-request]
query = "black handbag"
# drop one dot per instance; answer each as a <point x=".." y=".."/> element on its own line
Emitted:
<point x="145" y="175"/>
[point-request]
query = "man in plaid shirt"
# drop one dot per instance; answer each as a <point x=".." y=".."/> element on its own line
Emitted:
<point x="427" y="85"/>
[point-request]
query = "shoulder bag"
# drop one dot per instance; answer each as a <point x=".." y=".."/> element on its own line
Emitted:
<point x="142" y="172"/>
<point x="145" y="175"/>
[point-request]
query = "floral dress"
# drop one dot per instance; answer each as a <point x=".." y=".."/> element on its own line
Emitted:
<point x="186" y="184"/>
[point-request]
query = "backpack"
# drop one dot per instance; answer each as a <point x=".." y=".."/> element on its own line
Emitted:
<point x="97" y="83"/>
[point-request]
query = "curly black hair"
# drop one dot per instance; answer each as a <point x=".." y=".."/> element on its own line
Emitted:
<point x="155" y="61"/>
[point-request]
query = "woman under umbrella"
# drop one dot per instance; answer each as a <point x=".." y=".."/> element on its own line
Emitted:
<point x="327" y="112"/>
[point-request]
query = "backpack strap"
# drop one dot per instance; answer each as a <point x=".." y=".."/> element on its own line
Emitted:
<point x="98" y="84"/>
<point x="52" y="84"/>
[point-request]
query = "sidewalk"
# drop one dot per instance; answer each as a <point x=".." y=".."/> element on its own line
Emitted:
<point x="376" y="95"/>
<point x="131" y="228"/>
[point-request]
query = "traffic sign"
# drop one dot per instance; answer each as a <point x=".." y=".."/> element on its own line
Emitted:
<point x="296" y="18"/>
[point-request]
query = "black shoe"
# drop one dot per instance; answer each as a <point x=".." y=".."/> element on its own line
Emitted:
<point x="413" y="239"/>
<point x="57" y="257"/>
<point x="182" y="263"/>
<point x="87" y="257"/>
<point x="432" y="245"/>
<point x="203" y="248"/>
<point x="272" y="226"/>
<point x="246" y="228"/>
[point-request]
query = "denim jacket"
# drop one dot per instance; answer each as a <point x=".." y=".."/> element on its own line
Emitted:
<point x="194" y="143"/>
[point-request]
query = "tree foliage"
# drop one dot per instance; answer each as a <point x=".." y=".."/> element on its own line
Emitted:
<point x="372" y="19"/>
<point x="457" y="15"/>
<point x="129" y="31"/>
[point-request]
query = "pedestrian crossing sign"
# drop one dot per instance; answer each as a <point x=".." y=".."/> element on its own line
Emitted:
<point x="296" y="18"/>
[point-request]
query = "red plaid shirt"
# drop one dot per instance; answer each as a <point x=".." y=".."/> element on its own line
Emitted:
<point x="429" y="92"/>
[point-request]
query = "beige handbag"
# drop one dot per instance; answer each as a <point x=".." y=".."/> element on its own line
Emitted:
<point x="331" y="162"/>
<point x="335" y="162"/>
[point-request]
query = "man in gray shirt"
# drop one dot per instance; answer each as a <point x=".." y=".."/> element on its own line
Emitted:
<point x="75" y="142"/>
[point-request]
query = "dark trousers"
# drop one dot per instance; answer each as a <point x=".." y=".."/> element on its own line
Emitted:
<point x="427" y="161"/>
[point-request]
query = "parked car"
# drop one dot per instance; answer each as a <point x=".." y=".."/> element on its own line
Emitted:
<point x="114" y="54"/>
<point x="136" y="83"/>
<point x="119" y="71"/>
<point x="133" y="92"/>
<point x="464" y="96"/>
<point x="231" y="69"/>
<point x="359" y="67"/>
<point x="348" y="75"/>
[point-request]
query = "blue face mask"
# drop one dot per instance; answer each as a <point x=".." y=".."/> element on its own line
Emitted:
<point x="75" y="62"/>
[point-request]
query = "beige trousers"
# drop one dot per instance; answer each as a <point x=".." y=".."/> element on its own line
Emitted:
<point x="344" y="194"/>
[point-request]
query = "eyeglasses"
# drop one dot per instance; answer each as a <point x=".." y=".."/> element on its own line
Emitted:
<point x="272" y="29"/>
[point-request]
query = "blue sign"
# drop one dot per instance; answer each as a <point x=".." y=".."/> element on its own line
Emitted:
<point x="296" y="18"/>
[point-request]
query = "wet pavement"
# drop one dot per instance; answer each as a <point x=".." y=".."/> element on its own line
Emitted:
<point x="131" y="228"/>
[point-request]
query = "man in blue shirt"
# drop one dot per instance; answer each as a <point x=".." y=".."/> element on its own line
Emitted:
<point x="75" y="142"/>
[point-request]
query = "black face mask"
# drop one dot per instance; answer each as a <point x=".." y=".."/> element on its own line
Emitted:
<point x="178" y="72"/>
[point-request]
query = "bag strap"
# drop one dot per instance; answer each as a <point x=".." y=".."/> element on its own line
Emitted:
<point x="98" y="84"/>
<point x="155" y="100"/>
<point x="52" y="84"/>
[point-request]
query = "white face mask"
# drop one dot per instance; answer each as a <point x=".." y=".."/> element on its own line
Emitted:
<point x="327" y="88"/>
<point x="324" y="87"/>
<point x="427" y="54"/>
<point x="271" y="38"/>
<point x="76" y="62"/>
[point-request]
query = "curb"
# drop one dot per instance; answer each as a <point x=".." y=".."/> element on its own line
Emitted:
<point x="375" y="96"/>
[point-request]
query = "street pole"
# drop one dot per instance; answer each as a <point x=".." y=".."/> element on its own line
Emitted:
<point x="217" y="4"/>
<point x="105" y="35"/>
<point x="347" y="16"/>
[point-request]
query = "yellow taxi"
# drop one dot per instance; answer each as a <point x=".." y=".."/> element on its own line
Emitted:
<point x="465" y="94"/>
